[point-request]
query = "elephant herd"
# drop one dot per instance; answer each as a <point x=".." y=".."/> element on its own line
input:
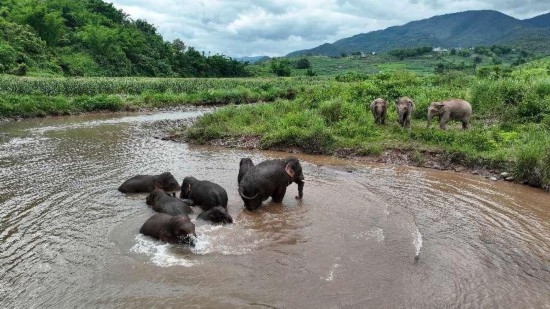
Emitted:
<point x="172" y="224"/>
<point x="452" y="109"/>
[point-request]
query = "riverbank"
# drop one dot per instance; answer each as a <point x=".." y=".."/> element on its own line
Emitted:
<point x="425" y="159"/>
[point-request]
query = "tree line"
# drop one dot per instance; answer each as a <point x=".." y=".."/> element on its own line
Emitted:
<point x="93" y="38"/>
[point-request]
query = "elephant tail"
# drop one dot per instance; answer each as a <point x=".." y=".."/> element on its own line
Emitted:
<point x="247" y="197"/>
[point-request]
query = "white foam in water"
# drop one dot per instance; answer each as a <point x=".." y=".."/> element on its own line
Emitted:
<point x="159" y="252"/>
<point x="417" y="242"/>
<point x="211" y="239"/>
<point x="375" y="233"/>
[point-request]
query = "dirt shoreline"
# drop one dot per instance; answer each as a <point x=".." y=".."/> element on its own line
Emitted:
<point x="426" y="159"/>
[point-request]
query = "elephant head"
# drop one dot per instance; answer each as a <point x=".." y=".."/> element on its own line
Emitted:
<point x="168" y="182"/>
<point x="244" y="166"/>
<point x="435" y="109"/>
<point x="180" y="230"/>
<point x="186" y="185"/>
<point x="404" y="107"/>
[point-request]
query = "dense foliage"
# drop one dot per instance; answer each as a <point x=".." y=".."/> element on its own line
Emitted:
<point x="93" y="38"/>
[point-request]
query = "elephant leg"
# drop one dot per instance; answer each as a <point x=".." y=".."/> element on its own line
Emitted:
<point x="464" y="124"/>
<point x="278" y="196"/>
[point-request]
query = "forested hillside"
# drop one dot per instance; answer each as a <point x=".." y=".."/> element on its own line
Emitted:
<point x="93" y="38"/>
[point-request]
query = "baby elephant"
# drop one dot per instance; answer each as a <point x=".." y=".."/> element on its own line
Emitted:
<point x="405" y="108"/>
<point x="453" y="109"/>
<point x="203" y="193"/>
<point x="162" y="202"/>
<point x="146" y="183"/>
<point x="378" y="108"/>
<point x="217" y="214"/>
<point x="171" y="229"/>
<point x="244" y="166"/>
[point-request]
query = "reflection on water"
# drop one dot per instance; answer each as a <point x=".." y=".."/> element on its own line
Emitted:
<point x="363" y="236"/>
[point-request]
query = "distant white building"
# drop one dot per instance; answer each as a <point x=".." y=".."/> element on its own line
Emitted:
<point x="439" y="49"/>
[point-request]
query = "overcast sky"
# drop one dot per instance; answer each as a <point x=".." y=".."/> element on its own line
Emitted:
<point x="278" y="27"/>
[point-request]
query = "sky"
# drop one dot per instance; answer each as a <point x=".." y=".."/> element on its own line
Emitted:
<point x="277" y="27"/>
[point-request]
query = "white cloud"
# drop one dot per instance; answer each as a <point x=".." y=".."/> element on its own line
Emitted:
<point x="277" y="27"/>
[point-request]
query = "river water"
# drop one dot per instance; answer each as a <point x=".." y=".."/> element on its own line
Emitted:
<point x="364" y="235"/>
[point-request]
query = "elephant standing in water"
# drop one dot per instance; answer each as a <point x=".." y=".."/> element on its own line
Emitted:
<point x="405" y="108"/>
<point x="171" y="229"/>
<point x="378" y="108"/>
<point x="270" y="179"/>
<point x="453" y="109"/>
<point x="147" y="183"/>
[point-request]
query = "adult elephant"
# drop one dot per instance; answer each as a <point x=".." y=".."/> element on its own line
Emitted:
<point x="453" y="109"/>
<point x="270" y="179"/>
<point x="404" y="107"/>
<point x="203" y="193"/>
<point x="162" y="202"/>
<point x="171" y="229"/>
<point x="147" y="183"/>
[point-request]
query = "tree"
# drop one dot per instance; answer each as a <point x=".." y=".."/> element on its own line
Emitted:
<point x="303" y="63"/>
<point x="281" y="67"/>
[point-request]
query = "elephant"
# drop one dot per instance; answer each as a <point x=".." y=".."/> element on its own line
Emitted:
<point x="203" y="193"/>
<point x="171" y="229"/>
<point x="453" y="109"/>
<point x="217" y="214"/>
<point x="147" y="183"/>
<point x="405" y="108"/>
<point x="162" y="202"/>
<point x="270" y="179"/>
<point x="244" y="166"/>
<point x="379" y="107"/>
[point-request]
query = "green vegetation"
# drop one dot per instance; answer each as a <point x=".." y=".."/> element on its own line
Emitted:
<point x="93" y="38"/>
<point x="32" y="97"/>
<point x="510" y="128"/>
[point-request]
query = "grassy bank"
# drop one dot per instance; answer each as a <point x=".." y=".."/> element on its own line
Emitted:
<point x="510" y="129"/>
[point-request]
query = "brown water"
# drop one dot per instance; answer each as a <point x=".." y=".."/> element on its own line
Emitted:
<point x="363" y="236"/>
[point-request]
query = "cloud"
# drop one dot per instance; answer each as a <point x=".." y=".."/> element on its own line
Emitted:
<point x="277" y="27"/>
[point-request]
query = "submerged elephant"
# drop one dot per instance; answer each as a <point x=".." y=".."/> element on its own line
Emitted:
<point x="171" y="229"/>
<point x="203" y="193"/>
<point x="378" y="108"/>
<point x="453" y="109"/>
<point x="270" y="179"/>
<point x="147" y="183"/>
<point x="217" y="214"/>
<point x="405" y="108"/>
<point x="162" y="202"/>
<point x="244" y="166"/>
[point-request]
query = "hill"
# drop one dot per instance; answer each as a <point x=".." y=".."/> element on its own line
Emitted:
<point x="93" y="38"/>
<point x="456" y="30"/>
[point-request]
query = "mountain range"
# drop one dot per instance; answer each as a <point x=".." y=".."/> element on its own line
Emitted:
<point x="456" y="30"/>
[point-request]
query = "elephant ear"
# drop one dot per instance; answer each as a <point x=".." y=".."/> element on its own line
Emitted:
<point x="290" y="170"/>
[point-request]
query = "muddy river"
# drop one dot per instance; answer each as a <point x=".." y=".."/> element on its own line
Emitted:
<point x="364" y="235"/>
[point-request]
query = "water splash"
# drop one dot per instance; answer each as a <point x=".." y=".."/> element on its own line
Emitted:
<point x="160" y="252"/>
